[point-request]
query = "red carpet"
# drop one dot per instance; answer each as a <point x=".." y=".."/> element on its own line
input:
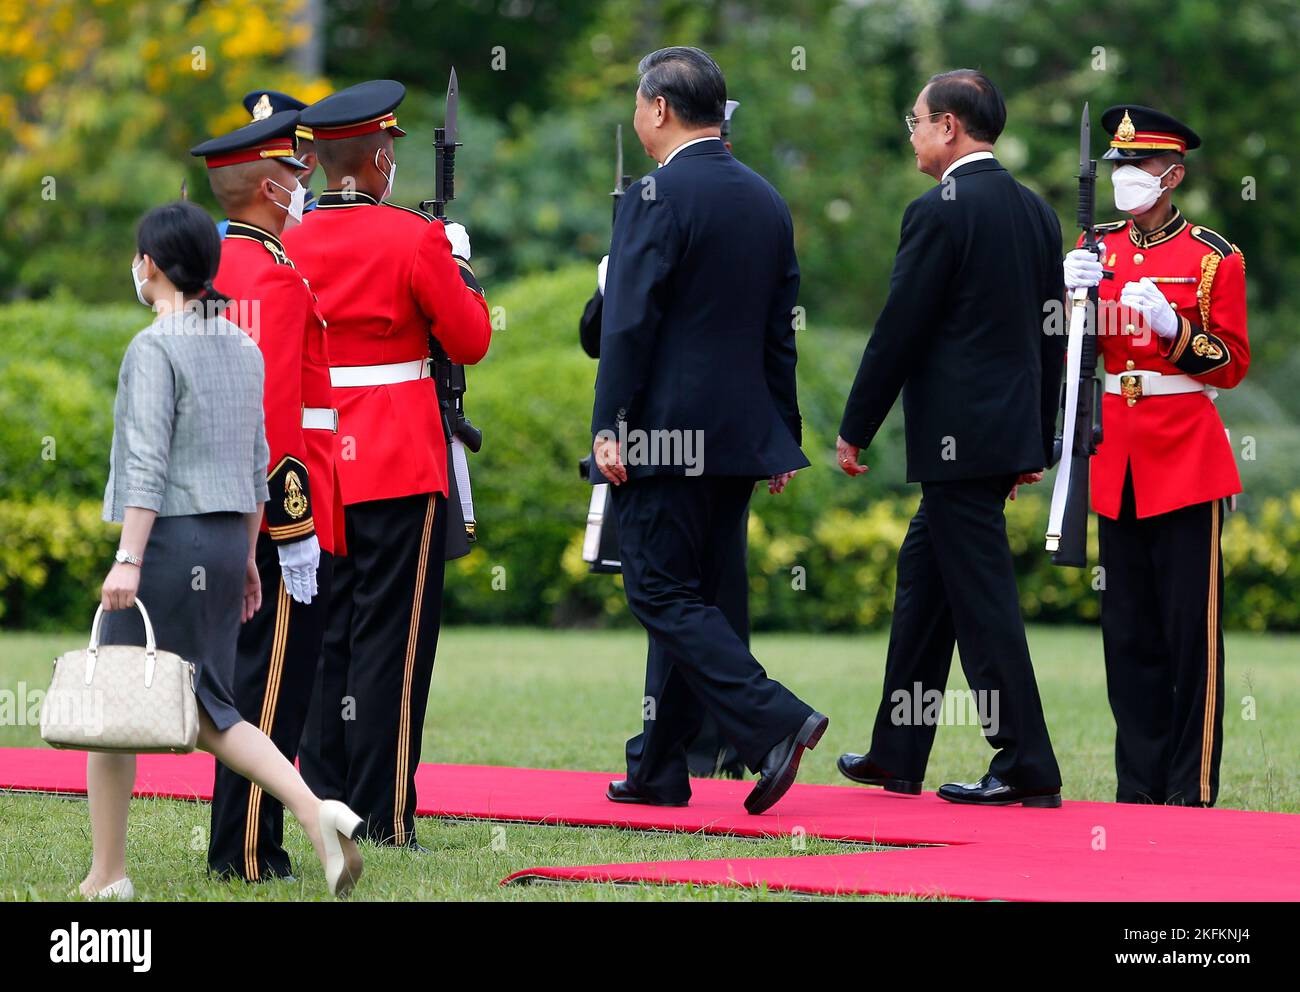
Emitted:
<point x="1083" y="851"/>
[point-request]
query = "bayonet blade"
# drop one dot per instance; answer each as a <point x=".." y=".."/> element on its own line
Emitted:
<point x="1085" y="141"/>
<point x="725" y="129"/>
<point x="618" y="159"/>
<point x="453" y="97"/>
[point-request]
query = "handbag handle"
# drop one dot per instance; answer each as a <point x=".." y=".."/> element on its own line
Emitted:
<point x="150" y="646"/>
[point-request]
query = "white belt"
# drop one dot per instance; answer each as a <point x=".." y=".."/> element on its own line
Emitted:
<point x="379" y="375"/>
<point x="1139" y="384"/>
<point x="320" y="418"/>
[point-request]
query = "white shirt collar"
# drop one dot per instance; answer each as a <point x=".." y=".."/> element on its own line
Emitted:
<point x="965" y="160"/>
<point x="687" y="144"/>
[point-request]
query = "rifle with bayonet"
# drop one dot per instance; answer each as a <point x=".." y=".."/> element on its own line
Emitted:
<point x="1080" y="430"/>
<point x="600" y="541"/>
<point x="621" y="182"/>
<point x="449" y="377"/>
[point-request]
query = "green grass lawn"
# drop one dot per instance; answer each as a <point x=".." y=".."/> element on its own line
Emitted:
<point x="569" y="699"/>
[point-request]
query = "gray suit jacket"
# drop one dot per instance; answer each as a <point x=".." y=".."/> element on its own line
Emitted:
<point x="188" y="432"/>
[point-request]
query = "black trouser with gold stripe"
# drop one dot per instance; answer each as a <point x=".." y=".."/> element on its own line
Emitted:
<point x="275" y="668"/>
<point x="1161" y="621"/>
<point x="362" y="742"/>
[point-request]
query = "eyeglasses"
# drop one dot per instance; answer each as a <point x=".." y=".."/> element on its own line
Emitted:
<point x="913" y="121"/>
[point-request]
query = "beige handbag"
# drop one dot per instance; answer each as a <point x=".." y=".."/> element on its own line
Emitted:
<point x="121" y="697"/>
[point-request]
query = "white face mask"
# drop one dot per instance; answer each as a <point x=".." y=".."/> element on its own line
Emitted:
<point x="297" y="198"/>
<point x="391" y="173"/>
<point x="1136" y="191"/>
<point x="139" y="283"/>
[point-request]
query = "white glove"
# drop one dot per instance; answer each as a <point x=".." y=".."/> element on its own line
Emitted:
<point x="298" y="564"/>
<point x="1145" y="297"/>
<point x="459" y="238"/>
<point x="1083" y="268"/>
<point x="600" y="274"/>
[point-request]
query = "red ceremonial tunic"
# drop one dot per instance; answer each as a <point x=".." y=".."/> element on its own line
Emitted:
<point x="386" y="278"/>
<point x="1175" y="446"/>
<point x="275" y="305"/>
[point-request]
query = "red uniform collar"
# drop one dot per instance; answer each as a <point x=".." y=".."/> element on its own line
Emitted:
<point x="1147" y="239"/>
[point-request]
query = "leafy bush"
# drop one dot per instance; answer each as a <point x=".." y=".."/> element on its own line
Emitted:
<point x="90" y="339"/>
<point x="822" y="555"/>
<point x="52" y="560"/>
<point x="58" y="374"/>
<point x="1261" y="558"/>
<point x="55" y="555"/>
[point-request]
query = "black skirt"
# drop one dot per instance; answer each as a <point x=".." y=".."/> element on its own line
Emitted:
<point x="192" y="584"/>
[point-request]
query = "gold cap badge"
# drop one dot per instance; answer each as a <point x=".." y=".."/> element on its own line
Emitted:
<point x="262" y="109"/>
<point x="1126" y="131"/>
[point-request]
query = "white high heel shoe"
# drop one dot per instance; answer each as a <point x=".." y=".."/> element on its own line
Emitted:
<point x="342" y="869"/>
<point x="122" y="889"/>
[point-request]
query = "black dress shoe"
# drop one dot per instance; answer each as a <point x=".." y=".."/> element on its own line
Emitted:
<point x="992" y="791"/>
<point x="860" y="768"/>
<point x="622" y="792"/>
<point x="779" y="768"/>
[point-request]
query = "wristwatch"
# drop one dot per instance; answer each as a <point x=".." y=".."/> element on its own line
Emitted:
<point x="126" y="558"/>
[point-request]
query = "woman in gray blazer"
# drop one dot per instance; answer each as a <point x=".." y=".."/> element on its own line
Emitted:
<point x="187" y="481"/>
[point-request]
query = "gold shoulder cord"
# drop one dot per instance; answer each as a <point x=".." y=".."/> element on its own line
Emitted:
<point x="1209" y="266"/>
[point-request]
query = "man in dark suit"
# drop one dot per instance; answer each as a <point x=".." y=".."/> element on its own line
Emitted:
<point x="963" y="335"/>
<point x="708" y="754"/>
<point x="695" y="403"/>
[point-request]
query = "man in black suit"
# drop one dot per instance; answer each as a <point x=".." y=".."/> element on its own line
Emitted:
<point x="695" y="403"/>
<point x="707" y="754"/>
<point x="963" y="335"/>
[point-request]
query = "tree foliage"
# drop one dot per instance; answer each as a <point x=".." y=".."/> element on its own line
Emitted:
<point x="100" y="103"/>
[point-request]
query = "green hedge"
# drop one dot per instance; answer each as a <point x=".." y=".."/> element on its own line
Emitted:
<point x="850" y="558"/>
<point x="58" y="375"/>
<point x="52" y="561"/>
<point x="55" y="555"/>
<point x="532" y="398"/>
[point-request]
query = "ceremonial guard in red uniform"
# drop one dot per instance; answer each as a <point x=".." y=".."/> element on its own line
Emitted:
<point x="386" y="277"/>
<point x="1172" y="330"/>
<point x="253" y="172"/>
